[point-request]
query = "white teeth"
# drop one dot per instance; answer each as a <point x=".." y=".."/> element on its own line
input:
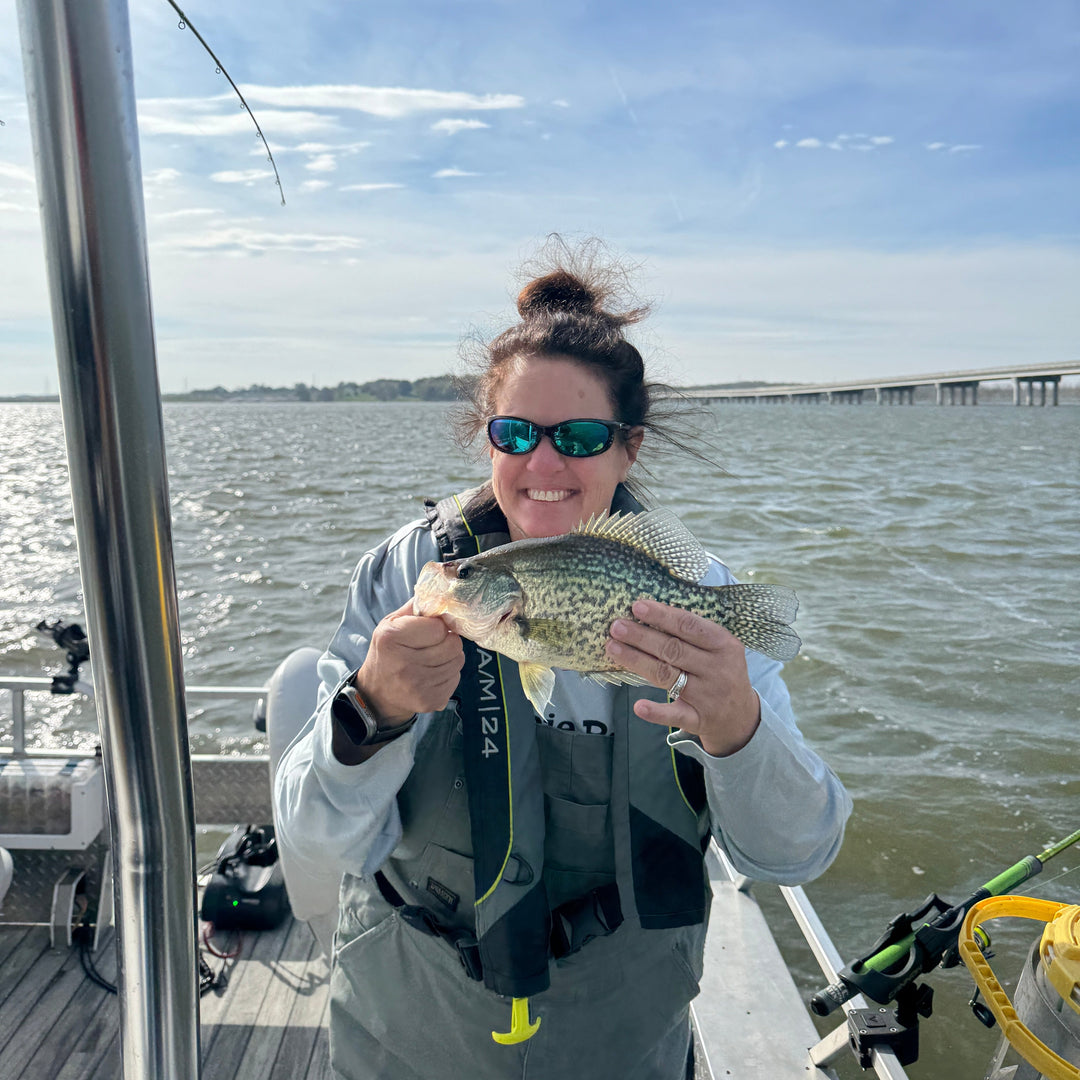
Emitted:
<point x="548" y="496"/>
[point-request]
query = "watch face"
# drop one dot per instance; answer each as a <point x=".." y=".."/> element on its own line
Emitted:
<point x="359" y="723"/>
<point x="355" y="719"/>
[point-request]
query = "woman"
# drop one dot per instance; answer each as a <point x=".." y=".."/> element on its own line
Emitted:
<point x="595" y="911"/>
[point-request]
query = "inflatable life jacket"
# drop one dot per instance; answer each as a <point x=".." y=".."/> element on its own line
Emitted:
<point x="658" y="813"/>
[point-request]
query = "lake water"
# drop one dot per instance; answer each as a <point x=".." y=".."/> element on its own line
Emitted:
<point x="934" y="551"/>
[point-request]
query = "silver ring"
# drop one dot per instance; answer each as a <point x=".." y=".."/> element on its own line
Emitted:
<point x="678" y="686"/>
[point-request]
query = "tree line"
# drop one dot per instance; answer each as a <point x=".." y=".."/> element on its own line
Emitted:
<point x="436" y="388"/>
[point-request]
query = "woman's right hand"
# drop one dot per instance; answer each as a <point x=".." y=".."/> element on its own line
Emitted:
<point x="412" y="665"/>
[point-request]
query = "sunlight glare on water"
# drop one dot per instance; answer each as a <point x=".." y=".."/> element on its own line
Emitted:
<point x="934" y="551"/>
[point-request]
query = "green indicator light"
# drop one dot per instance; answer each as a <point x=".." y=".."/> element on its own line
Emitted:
<point x="236" y="903"/>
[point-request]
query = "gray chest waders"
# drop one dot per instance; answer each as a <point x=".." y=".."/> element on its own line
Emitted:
<point x="657" y="806"/>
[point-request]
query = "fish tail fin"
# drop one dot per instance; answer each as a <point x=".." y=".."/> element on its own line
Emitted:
<point x="760" y="616"/>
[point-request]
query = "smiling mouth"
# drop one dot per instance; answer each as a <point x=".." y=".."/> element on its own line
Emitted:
<point x="548" y="496"/>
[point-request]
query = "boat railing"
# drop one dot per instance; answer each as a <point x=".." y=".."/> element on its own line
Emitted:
<point x="19" y="686"/>
<point x="836" y="1044"/>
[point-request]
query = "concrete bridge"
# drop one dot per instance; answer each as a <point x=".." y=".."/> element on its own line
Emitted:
<point x="957" y="386"/>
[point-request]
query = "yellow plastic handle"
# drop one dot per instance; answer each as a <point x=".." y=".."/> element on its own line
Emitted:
<point x="1033" y="1051"/>
<point x="521" y="1028"/>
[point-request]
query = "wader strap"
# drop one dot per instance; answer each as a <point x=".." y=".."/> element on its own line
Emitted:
<point x="573" y="924"/>
<point x="420" y="918"/>
<point x="577" y="922"/>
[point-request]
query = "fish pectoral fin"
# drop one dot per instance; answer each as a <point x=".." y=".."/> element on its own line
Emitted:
<point x="613" y="678"/>
<point x="554" y="634"/>
<point x="538" y="682"/>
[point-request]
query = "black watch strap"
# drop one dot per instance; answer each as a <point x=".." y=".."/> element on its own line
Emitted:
<point x="358" y="722"/>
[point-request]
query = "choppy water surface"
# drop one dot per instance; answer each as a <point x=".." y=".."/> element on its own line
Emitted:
<point x="935" y="553"/>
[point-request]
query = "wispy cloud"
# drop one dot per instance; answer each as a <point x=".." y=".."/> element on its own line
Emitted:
<point x="342" y="149"/>
<point x="194" y="211"/>
<point x="389" y="102"/>
<point x="314" y="185"/>
<point x="369" y="187"/>
<point x="444" y="174"/>
<point x="210" y="116"/>
<point x="240" y="176"/>
<point x="953" y="148"/>
<point x="16" y="172"/>
<point x="161" y="176"/>
<point x="843" y="141"/>
<point x="453" y="127"/>
<point x="245" y="241"/>
<point x="322" y="163"/>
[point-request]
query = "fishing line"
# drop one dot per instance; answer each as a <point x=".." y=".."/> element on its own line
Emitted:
<point x="186" y="24"/>
<point x="1042" y="884"/>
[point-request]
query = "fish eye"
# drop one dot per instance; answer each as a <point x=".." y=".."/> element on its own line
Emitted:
<point x="463" y="571"/>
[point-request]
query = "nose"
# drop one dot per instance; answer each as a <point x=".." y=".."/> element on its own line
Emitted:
<point x="545" y="457"/>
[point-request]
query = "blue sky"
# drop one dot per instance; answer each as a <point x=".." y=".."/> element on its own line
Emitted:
<point x="812" y="191"/>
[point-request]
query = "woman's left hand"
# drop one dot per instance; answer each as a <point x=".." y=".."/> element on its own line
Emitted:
<point x="717" y="702"/>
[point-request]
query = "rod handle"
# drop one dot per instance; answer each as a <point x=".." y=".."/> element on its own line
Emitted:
<point x="831" y="998"/>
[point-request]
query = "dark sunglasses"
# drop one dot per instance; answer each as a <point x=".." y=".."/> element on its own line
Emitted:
<point x="572" y="438"/>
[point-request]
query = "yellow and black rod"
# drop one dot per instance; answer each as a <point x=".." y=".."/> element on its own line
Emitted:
<point x="918" y="942"/>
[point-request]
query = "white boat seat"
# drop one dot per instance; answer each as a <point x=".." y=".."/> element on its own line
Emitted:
<point x="7" y="870"/>
<point x="290" y="700"/>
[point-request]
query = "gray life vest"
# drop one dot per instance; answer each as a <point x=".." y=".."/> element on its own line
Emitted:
<point x="657" y="806"/>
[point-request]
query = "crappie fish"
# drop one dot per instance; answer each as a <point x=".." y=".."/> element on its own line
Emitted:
<point x="550" y="602"/>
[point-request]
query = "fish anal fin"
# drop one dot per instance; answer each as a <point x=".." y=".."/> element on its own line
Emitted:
<point x="617" y="676"/>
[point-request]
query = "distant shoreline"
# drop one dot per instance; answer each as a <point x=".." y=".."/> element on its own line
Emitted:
<point x="442" y="389"/>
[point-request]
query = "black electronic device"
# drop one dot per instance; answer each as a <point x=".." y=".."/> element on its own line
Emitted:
<point x="247" y="888"/>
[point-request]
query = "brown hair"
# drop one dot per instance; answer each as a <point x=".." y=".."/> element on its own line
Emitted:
<point x="575" y="307"/>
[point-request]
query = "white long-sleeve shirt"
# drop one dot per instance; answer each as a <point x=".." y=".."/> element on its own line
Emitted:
<point x="776" y="808"/>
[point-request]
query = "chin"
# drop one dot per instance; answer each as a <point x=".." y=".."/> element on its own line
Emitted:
<point x="549" y="519"/>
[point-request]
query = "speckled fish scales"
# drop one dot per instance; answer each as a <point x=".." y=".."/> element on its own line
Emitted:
<point x="549" y="603"/>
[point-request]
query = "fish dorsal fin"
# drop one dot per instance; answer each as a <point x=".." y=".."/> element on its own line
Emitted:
<point x="656" y="533"/>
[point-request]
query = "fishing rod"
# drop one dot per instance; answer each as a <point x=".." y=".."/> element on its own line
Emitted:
<point x="187" y="24"/>
<point x="917" y="942"/>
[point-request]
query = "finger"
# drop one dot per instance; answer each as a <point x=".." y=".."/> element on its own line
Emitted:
<point x="676" y="714"/>
<point x="658" y="672"/>
<point x="671" y="652"/>
<point x="437" y="661"/>
<point x="418" y="631"/>
<point x="685" y="625"/>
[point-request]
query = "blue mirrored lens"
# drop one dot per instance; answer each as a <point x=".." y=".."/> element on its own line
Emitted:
<point x="513" y="436"/>
<point x="582" y="438"/>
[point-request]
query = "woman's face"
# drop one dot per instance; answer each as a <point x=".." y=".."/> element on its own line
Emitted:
<point x="543" y="493"/>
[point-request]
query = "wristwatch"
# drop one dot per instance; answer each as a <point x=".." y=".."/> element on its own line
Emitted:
<point x="357" y="720"/>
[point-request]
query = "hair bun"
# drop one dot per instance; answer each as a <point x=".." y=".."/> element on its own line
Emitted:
<point x="558" y="291"/>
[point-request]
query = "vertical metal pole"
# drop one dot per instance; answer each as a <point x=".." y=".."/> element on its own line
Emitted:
<point x="77" y="57"/>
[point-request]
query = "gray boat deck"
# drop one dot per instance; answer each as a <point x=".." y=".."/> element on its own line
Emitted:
<point x="267" y="1023"/>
